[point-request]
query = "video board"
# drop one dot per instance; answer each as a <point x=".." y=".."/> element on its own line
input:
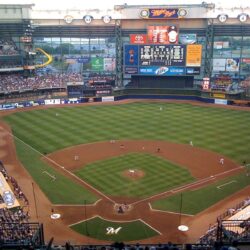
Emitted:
<point x="162" y="55"/>
<point x="167" y="59"/>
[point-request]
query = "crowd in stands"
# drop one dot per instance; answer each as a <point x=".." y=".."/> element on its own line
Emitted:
<point x="15" y="187"/>
<point x="246" y="83"/>
<point x="167" y="246"/>
<point x="211" y="234"/>
<point x="138" y="246"/>
<point x="14" y="222"/>
<point x="8" y="47"/>
<point x="17" y="82"/>
<point x="14" y="226"/>
<point x="17" y="190"/>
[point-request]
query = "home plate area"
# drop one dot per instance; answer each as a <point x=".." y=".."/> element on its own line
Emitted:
<point x="122" y="208"/>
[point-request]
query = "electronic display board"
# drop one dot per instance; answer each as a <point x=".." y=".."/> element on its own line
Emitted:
<point x="162" y="55"/>
<point x="170" y="59"/>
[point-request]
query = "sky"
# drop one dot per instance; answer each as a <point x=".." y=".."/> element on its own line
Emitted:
<point x="109" y="4"/>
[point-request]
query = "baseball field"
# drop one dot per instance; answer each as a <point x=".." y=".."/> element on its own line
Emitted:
<point x="110" y="170"/>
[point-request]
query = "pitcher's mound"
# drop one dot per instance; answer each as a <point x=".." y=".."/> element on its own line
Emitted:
<point x="133" y="174"/>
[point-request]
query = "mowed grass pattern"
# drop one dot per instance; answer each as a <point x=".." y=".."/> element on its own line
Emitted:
<point x="160" y="175"/>
<point x="198" y="200"/>
<point x="217" y="129"/>
<point x="60" y="190"/>
<point x="97" y="228"/>
<point x="221" y="130"/>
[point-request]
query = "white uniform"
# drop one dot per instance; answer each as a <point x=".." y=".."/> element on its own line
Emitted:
<point x="222" y="161"/>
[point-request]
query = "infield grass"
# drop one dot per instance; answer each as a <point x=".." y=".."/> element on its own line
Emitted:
<point x="159" y="175"/>
<point x="97" y="228"/>
<point x="196" y="201"/>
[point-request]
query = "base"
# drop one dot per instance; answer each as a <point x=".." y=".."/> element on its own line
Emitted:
<point x="183" y="228"/>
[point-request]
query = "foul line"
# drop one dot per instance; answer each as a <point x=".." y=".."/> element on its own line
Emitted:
<point x="189" y="185"/>
<point x="151" y="227"/>
<point x="77" y="205"/>
<point x="63" y="168"/>
<point x="169" y="212"/>
<point x="226" y="184"/>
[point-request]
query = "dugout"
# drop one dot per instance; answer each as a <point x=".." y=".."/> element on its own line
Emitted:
<point x="139" y="81"/>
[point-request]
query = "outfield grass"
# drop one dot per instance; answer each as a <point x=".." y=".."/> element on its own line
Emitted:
<point x="196" y="201"/>
<point x="97" y="228"/>
<point x="221" y="130"/>
<point x="159" y="175"/>
<point x="62" y="190"/>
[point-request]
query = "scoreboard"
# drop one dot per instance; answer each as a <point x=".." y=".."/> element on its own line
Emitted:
<point x="162" y="55"/>
<point x="168" y="59"/>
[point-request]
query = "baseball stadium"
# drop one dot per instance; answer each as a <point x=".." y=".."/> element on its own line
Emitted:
<point x="125" y="128"/>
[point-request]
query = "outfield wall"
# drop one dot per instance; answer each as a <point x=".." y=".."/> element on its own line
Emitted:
<point x="65" y="101"/>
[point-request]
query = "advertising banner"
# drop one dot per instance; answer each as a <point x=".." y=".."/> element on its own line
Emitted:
<point x="138" y="39"/>
<point x="108" y="98"/>
<point x="246" y="60"/>
<point x="193" y="71"/>
<point x="109" y="64"/>
<point x="83" y="60"/>
<point x="162" y="71"/>
<point x="220" y="101"/>
<point x="131" y="70"/>
<point x="219" y="64"/>
<point x="71" y="60"/>
<point x="219" y="95"/>
<point x="162" y="55"/>
<point x="131" y="55"/>
<point x="52" y="101"/>
<point x="162" y="13"/>
<point x="232" y="64"/>
<point x="206" y="83"/>
<point x="162" y="34"/>
<point x="97" y="63"/>
<point x="193" y="56"/>
<point x="26" y="39"/>
<point x="187" y="38"/>
<point x="221" y="45"/>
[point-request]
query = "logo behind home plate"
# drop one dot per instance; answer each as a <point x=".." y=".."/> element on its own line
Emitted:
<point x="68" y="19"/>
<point x="111" y="230"/>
